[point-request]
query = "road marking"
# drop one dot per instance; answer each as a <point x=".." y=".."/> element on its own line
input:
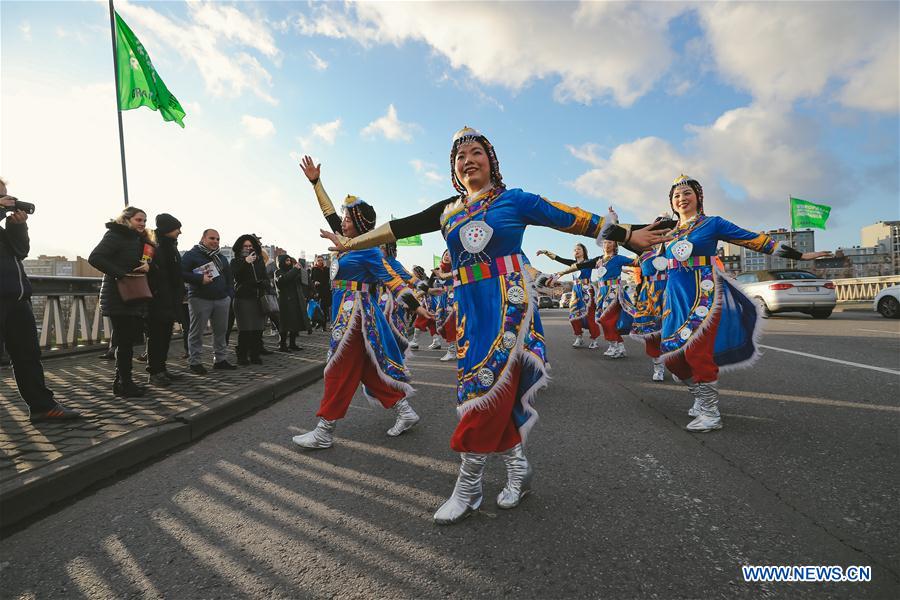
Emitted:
<point x="428" y="366"/>
<point x="881" y="331"/>
<point x="736" y="416"/>
<point x="785" y="398"/>
<point x="834" y="360"/>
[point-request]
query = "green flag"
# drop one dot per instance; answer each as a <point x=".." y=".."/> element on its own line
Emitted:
<point x="437" y="261"/>
<point x="806" y="214"/>
<point x="139" y="83"/>
<point x="415" y="240"/>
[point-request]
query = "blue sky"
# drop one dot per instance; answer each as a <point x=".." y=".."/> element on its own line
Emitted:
<point x="588" y="104"/>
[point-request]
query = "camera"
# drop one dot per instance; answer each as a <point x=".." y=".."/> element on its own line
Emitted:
<point x="26" y="207"/>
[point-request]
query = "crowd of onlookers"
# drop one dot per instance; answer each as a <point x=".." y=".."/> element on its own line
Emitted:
<point x="148" y="286"/>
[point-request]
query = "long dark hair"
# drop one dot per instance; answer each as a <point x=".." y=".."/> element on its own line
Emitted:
<point x="694" y="185"/>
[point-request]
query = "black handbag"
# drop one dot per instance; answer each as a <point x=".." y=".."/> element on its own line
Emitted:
<point x="268" y="303"/>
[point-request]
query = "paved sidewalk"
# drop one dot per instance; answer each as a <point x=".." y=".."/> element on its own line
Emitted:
<point x="46" y="462"/>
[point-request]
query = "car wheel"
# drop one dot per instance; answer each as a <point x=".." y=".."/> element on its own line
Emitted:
<point x="763" y="308"/>
<point x="823" y="313"/>
<point x="889" y="307"/>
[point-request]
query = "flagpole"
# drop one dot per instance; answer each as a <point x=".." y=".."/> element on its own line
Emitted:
<point x="790" y="216"/>
<point x="115" y="49"/>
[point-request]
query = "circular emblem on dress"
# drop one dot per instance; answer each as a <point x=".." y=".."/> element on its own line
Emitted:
<point x="475" y="236"/>
<point x="335" y="265"/>
<point x="682" y="249"/>
<point x="509" y="340"/>
<point x="707" y="284"/>
<point x="685" y="333"/>
<point x="701" y="311"/>
<point x="337" y="333"/>
<point x="485" y="377"/>
<point x="601" y="271"/>
<point x="384" y="297"/>
<point x="348" y="305"/>
<point x="660" y="263"/>
<point x="516" y="294"/>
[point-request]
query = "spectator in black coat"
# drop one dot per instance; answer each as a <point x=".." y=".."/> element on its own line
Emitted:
<point x="17" y="326"/>
<point x="320" y="281"/>
<point x="118" y="255"/>
<point x="291" y="302"/>
<point x="167" y="286"/>
<point x="250" y="283"/>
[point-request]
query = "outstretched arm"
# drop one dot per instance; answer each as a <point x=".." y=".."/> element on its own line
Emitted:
<point x="313" y="172"/>
<point x="552" y="256"/>
<point x="760" y="242"/>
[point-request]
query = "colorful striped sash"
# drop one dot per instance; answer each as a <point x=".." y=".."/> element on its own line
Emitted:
<point x="691" y="262"/>
<point x="353" y="286"/>
<point x="486" y="270"/>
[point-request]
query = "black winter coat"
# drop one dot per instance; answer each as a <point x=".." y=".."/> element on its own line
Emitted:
<point x="291" y="299"/>
<point x="117" y="254"/>
<point x="14" y="247"/>
<point x="250" y="280"/>
<point x="166" y="282"/>
<point x="321" y="276"/>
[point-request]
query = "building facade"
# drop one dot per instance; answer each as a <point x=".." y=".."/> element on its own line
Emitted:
<point x="886" y="236"/>
<point x="745" y="259"/>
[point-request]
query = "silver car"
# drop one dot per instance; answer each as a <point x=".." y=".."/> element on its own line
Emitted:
<point x="790" y="290"/>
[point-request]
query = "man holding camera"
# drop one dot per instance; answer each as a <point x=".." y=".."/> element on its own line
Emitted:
<point x="17" y="326"/>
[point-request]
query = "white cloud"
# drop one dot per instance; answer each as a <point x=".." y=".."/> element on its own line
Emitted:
<point x="591" y="48"/>
<point x="749" y="160"/>
<point x="212" y="40"/>
<point x="588" y="153"/>
<point x="427" y="170"/>
<point x="25" y="29"/>
<point x="390" y="127"/>
<point x="318" y="63"/>
<point x="258" y="127"/>
<point x="320" y="133"/>
<point x="782" y="51"/>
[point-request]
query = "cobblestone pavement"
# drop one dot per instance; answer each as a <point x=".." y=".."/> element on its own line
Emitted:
<point x="84" y="382"/>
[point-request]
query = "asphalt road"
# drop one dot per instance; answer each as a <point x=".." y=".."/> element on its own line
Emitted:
<point x="627" y="503"/>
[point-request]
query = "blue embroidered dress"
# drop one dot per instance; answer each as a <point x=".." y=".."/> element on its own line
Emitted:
<point x="697" y="291"/>
<point x="354" y="308"/>
<point x="607" y="274"/>
<point x="497" y="319"/>
<point x="582" y="291"/>
<point x="648" y="316"/>
<point x="389" y="301"/>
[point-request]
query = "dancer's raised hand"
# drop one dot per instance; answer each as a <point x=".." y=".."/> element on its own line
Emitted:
<point x="310" y="169"/>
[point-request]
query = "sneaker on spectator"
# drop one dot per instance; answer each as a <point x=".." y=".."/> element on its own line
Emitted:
<point x="57" y="413"/>
<point x="198" y="369"/>
<point x="224" y="365"/>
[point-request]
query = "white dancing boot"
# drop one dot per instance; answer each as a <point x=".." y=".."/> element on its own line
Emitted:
<point x="406" y="418"/>
<point x="435" y="344"/>
<point x="594" y="344"/>
<point x="579" y="342"/>
<point x="619" y="351"/>
<point x="709" y="417"/>
<point x="451" y="353"/>
<point x="518" y="478"/>
<point x="659" y="370"/>
<point x="414" y="342"/>
<point x="467" y="493"/>
<point x="611" y="350"/>
<point x="694" y="410"/>
<point x="320" y="437"/>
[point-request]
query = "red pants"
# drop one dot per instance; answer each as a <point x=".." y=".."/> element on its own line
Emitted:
<point x="593" y="327"/>
<point x="608" y="323"/>
<point x="697" y="360"/>
<point x="448" y="329"/>
<point x="491" y="429"/>
<point x="651" y="346"/>
<point x="423" y="324"/>
<point x="342" y="380"/>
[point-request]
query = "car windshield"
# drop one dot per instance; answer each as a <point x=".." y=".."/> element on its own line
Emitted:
<point x="794" y="275"/>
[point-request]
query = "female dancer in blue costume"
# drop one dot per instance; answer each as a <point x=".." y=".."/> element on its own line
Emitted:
<point x="501" y="352"/>
<point x="607" y="272"/>
<point x="390" y="302"/>
<point x="708" y="323"/>
<point x="581" y="306"/>
<point x="363" y="346"/>
<point x="445" y="319"/>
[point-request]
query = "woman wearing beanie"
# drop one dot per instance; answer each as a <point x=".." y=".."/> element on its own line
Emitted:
<point x="168" y="296"/>
<point x="125" y="251"/>
<point x="250" y="283"/>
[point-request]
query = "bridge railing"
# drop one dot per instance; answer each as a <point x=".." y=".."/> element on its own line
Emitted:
<point x="860" y="289"/>
<point x="67" y="310"/>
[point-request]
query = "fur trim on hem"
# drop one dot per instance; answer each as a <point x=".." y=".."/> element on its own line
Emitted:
<point x="704" y="326"/>
<point x="643" y="337"/>
<point x="606" y="310"/>
<point x="353" y="322"/>
<point x="376" y="403"/>
<point x="401" y="386"/>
